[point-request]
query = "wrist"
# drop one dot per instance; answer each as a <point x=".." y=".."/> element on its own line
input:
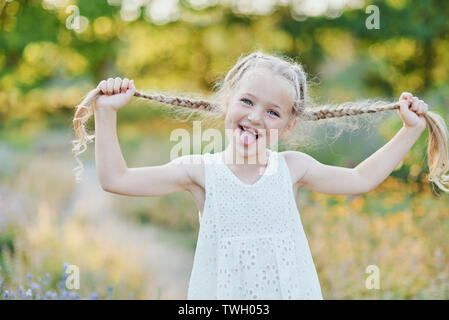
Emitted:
<point x="104" y="111"/>
<point x="418" y="128"/>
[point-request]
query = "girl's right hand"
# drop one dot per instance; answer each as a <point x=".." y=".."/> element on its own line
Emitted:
<point x="115" y="93"/>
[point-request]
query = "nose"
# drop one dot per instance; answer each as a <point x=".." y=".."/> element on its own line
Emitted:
<point x="256" y="115"/>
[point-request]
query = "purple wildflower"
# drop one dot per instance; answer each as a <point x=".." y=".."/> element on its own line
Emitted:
<point x="35" y="286"/>
<point x="73" y="295"/>
<point x="61" y="285"/>
<point x="64" y="295"/>
<point x="109" y="292"/>
<point x="20" y="291"/>
<point x="49" y="295"/>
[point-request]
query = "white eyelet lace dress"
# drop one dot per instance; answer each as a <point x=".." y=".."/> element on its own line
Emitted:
<point x="251" y="242"/>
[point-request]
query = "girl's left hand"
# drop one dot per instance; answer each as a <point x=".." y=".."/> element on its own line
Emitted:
<point x="412" y="117"/>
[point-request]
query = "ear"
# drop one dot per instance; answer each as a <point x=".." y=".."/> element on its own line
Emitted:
<point x="289" y="128"/>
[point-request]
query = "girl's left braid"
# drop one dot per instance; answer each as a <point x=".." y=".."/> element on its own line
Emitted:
<point x="177" y="101"/>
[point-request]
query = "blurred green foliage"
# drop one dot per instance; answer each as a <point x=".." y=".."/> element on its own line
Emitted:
<point x="46" y="68"/>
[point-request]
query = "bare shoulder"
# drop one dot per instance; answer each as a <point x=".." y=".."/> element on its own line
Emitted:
<point x="297" y="163"/>
<point x="193" y="165"/>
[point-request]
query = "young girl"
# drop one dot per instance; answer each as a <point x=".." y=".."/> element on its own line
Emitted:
<point x="251" y="243"/>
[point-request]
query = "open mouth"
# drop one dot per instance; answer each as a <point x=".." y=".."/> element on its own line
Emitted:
<point x="248" y="136"/>
<point x="250" y="131"/>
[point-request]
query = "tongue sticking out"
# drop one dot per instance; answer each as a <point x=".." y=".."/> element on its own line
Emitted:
<point x="247" y="138"/>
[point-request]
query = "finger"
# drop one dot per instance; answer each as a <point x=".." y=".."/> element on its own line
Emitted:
<point x="117" y="84"/>
<point x="103" y="86"/>
<point x="132" y="88"/>
<point x="413" y="104"/>
<point x="424" y="108"/>
<point x="125" y="84"/>
<point x="421" y="107"/>
<point x="406" y="95"/>
<point x="418" y="103"/>
<point x="110" y="86"/>
<point x="419" y="110"/>
<point x="403" y="106"/>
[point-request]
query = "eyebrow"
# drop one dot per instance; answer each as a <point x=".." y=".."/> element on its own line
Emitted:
<point x="273" y="104"/>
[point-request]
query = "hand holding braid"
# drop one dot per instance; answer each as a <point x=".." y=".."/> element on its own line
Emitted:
<point x="437" y="148"/>
<point x="114" y="94"/>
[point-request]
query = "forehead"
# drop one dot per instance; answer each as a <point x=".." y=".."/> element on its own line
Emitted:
<point x="267" y="87"/>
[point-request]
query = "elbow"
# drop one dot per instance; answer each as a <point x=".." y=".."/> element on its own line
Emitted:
<point x="367" y="190"/>
<point x="368" y="187"/>
<point x="111" y="183"/>
<point x="107" y="188"/>
<point x="365" y="185"/>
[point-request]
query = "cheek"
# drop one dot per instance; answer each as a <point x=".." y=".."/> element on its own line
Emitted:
<point x="232" y="117"/>
<point x="235" y="113"/>
<point x="271" y="130"/>
<point x="274" y="128"/>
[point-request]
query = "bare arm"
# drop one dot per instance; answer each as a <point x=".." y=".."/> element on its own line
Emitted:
<point x="373" y="170"/>
<point x="108" y="156"/>
<point x="379" y="165"/>
<point x="152" y="181"/>
<point x="113" y="173"/>
<point x="361" y="179"/>
<point x="323" y="178"/>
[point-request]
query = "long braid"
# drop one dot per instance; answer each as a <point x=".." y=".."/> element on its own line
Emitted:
<point x="177" y="101"/>
<point x="328" y="112"/>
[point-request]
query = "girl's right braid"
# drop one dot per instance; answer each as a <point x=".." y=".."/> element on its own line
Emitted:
<point x="437" y="148"/>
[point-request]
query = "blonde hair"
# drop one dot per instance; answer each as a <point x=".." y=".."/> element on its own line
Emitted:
<point x="303" y="109"/>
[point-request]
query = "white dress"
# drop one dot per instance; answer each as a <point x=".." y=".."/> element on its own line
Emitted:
<point x="251" y="242"/>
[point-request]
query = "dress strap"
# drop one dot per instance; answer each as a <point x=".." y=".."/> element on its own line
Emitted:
<point x="209" y="182"/>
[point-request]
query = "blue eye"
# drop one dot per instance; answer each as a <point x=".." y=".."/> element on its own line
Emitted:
<point x="245" y="100"/>
<point x="275" y="113"/>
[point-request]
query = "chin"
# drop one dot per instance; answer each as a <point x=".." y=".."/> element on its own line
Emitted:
<point x="254" y="148"/>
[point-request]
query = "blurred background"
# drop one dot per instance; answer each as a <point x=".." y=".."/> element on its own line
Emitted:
<point x="54" y="51"/>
